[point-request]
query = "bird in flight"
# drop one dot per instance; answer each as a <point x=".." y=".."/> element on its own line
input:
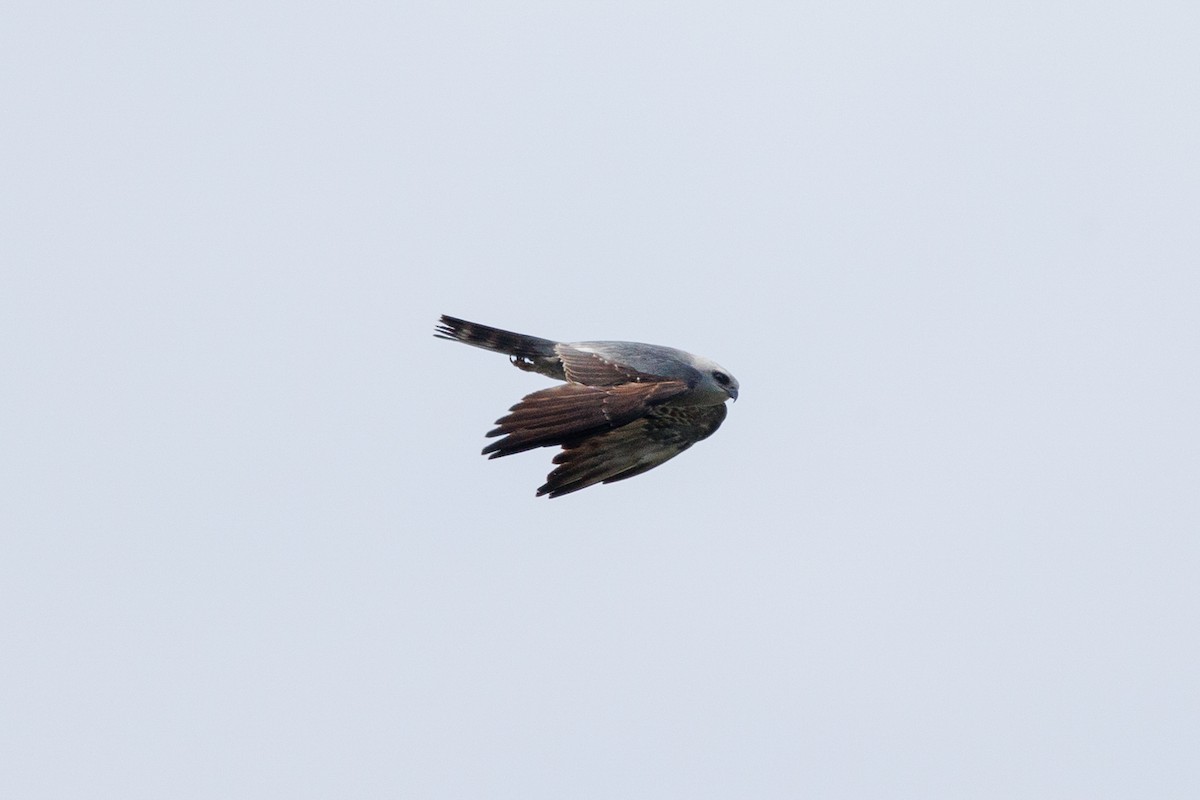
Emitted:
<point x="625" y="408"/>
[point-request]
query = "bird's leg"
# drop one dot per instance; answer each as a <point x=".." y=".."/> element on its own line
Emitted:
<point x="523" y="362"/>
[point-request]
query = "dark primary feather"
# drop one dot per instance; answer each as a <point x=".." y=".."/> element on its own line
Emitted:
<point x="641" y="445"/>
<point x="564" y="413"/>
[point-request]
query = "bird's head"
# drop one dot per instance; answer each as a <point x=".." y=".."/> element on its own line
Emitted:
<point x="716" y="381"/>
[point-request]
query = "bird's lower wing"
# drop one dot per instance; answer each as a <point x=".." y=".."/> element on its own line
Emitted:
<point x="571" y="412"/>
<point x="641" y="445"/>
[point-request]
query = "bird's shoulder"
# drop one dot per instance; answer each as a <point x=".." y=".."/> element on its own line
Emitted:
<point x="609" y="363"/>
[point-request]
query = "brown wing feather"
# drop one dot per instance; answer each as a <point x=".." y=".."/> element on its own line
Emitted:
<point x="641" y="445"/>
<point x="566" y="413"/>
<point x="591" y="369"/>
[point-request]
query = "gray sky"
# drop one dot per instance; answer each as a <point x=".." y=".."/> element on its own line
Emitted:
<point x="945" y="545"/>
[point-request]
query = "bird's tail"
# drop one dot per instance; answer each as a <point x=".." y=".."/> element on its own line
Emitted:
<point x="514" y="344"/>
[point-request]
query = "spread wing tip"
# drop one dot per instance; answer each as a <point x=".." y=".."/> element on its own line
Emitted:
<point x="556" y="491"/>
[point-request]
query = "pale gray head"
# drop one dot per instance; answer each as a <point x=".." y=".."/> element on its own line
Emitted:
<point x="716" y="383"/>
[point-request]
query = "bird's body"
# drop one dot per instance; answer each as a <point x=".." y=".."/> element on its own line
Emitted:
<point x="625" y="408"/>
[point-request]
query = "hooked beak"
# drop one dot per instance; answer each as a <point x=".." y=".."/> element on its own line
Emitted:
<point x="732" y="392"/>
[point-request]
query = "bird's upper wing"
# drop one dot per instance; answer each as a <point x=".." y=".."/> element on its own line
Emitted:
<point x="594" y="369"/>
<point x="663" y="433"/>
<point x="566" y="413"/>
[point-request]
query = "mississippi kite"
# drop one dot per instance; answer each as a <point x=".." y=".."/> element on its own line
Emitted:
<point x="625" y="408"/>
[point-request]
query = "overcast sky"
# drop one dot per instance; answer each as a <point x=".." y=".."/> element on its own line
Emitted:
<point x="946" y="544"/>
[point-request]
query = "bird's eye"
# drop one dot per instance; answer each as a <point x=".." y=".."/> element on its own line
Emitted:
<point x="721" y="378"/>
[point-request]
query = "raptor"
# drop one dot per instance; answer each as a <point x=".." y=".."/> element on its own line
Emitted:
<point x="623" y="409"/>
